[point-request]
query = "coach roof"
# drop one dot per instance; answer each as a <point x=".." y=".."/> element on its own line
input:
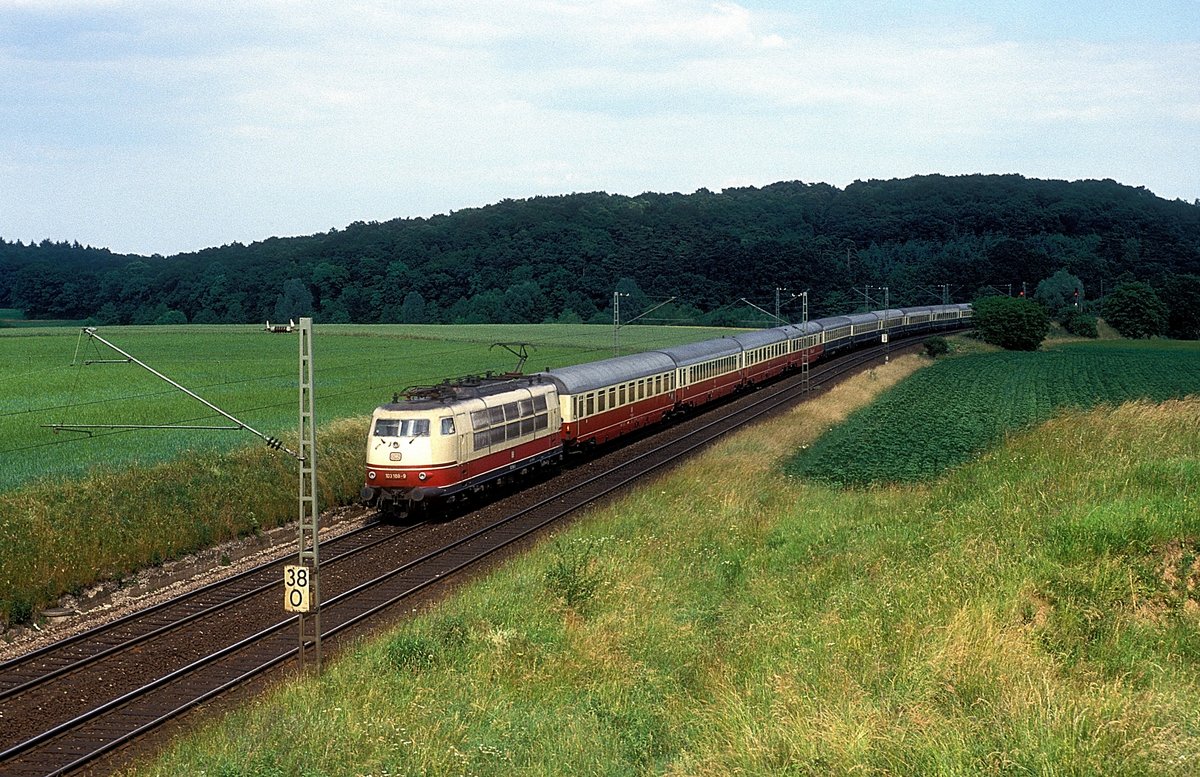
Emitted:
<point x="759" y="338"/>
<point x="619" y="369"/>
<point x="694" y="353"/>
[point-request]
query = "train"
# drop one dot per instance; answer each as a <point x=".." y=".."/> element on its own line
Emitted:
<point x="437" y="444"/>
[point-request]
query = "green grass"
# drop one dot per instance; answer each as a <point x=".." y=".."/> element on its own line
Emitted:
<point x="1030" y="613"/>
<point x="943" y="416"/>
<point x="54" y="540"/>
<point x="15" y="317"/>
<point x="247" y="372"/>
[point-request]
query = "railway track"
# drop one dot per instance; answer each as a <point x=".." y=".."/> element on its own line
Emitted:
<point x="67" y="705"/>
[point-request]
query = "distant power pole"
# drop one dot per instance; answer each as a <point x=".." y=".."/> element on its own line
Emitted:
<point x="887" y="346"/>
<point x="617" y="321"/>
<point x="779" y="304"/>
<point x="805" y="385"/>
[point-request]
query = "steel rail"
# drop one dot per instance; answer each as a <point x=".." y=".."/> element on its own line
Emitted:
<point x="92" y="634"/>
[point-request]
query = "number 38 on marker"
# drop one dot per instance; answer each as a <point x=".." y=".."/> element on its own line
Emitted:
<point x="296" y="581"/>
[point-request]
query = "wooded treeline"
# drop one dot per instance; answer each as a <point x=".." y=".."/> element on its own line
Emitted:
<point x="561" y="258"/>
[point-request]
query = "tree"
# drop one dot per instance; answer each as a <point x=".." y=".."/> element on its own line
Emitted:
<point x="633" y="300"/>
<point x="1011" y="322"/>
<point x="295" y="301"/>
<point x="172" y="317"/>
<point x="1060" y="293"/>
<point x="1135" y="310"/>
<point x="522" y="303"/>
<point x="412" y="310"/>
<point x="569" y="316"/>
<point x="1182" y="295"/>
<point x="936" y="346"/>
<point x="329" y="279"/>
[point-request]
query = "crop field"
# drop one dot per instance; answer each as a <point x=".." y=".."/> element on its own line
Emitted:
<point x="944" y="415"/>
<point x="247" y="372"/>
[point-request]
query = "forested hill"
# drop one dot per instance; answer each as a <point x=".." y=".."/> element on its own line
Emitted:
<point x="561" y="258"/>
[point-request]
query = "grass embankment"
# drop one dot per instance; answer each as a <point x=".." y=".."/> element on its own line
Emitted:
<point x="56" y="539"/>
<point x="959" y="407"/>
<point x="1032" y="612"/>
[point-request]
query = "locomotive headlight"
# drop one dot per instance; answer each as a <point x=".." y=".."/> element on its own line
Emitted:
<point x="371" y="475"/>
<point x="421" y="476"/>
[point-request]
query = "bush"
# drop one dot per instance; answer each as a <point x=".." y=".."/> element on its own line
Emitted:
<point x="1080" y="324"/>
<point x="1013" y="323"/>
<point x="171" y="317"/>
<point x="1135" y="310"/>
<point x="936" y="346"/>
<point x="18" y="611"/>
<point x="572" y="576"/>
<point x="411" y="651"/>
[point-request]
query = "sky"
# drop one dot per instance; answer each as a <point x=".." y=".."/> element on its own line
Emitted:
<point x="147" y="126"/>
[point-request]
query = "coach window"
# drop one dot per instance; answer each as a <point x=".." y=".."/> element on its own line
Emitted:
<point x="447" y="426"/>
<point x="591" y="404"/>
<point x="621" y="394"/>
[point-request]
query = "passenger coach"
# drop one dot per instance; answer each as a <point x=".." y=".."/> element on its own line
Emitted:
<point x="602" y="400"/>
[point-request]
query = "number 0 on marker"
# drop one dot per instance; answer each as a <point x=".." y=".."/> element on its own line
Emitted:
<point x="295" y="588"/>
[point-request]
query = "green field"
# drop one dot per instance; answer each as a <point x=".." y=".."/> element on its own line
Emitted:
<point x="247" y="372"/>
<point x="943" y="416"/>
<point x="15" y="317"/>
